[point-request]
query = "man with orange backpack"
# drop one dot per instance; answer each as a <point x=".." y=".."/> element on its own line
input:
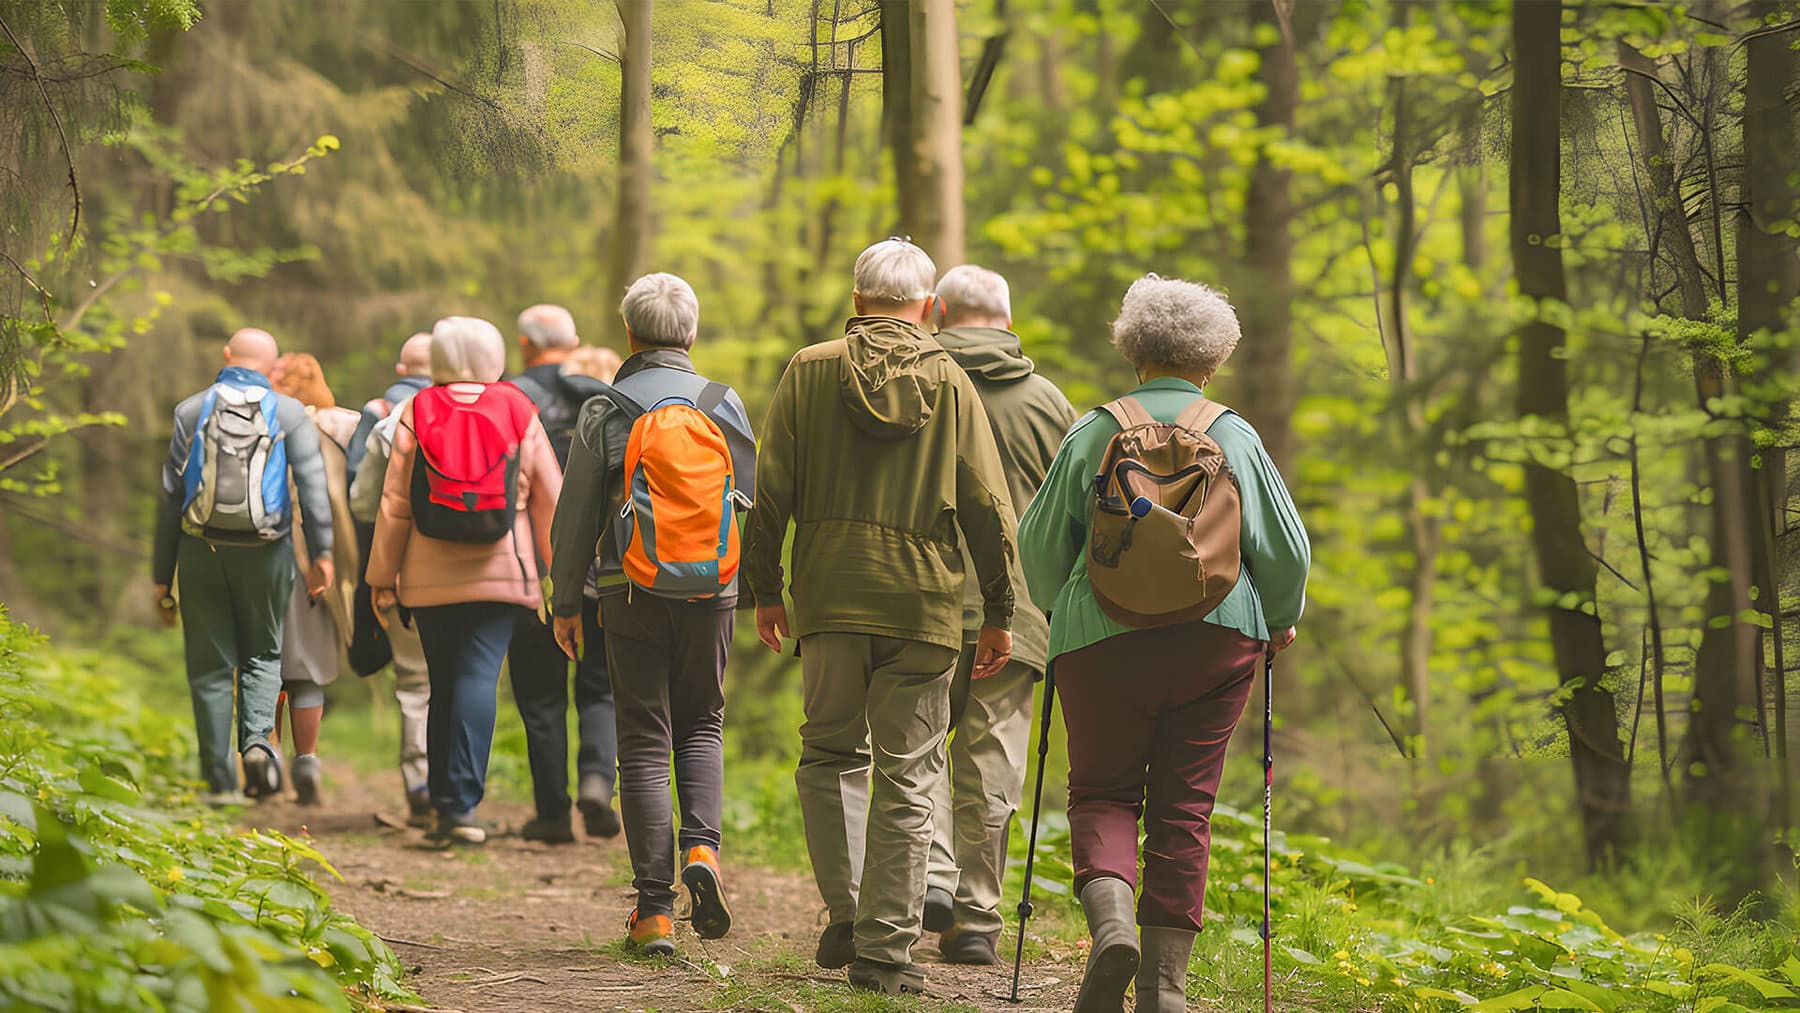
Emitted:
<point x="660" y="467"/>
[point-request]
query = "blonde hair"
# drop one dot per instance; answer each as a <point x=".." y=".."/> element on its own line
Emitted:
<point x="591" y="360"/>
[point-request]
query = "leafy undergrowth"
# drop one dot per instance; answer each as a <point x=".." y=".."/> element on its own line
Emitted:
<point x="1351" y="934"/>
<point x="117" y="894"/>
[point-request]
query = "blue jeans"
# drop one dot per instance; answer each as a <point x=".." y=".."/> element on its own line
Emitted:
<point x="464" y="646"/>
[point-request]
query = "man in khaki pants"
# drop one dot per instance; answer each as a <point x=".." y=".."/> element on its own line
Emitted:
<point x="878" y="450"/>
<point x="990" y="718"/>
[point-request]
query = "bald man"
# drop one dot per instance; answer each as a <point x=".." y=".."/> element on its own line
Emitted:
<point x="223" y="532"/>
<point x="414" y="370"/>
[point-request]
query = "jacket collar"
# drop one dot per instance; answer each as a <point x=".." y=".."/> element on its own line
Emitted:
<point x="238" y="376"/>
<point x="655" y="358"/>
<point x="1167" y="383"/>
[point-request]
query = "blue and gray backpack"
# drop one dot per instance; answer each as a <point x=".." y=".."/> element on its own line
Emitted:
<point x="236" y="475"/>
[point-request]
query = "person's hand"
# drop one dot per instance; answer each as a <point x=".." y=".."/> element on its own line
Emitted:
<point x="772" y="625"/>
<point x="164" y="606"/>
<point x="993" y="649"/>
<point x="568" y="635"/>
<point x="383" y="599"/>
<point x="1279" y="642"/>
<point x="318" y="579"/>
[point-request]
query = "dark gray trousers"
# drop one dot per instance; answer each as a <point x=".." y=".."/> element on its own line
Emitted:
<point x="667" y="662"/>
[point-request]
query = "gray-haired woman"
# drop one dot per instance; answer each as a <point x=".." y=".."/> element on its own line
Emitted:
<point x="1149" y="711"/>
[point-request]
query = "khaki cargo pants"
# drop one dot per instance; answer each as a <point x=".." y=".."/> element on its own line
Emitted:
<point x="990" y="739"/>
<point x="872" y="752"/>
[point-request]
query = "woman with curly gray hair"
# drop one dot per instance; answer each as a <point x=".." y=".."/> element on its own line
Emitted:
<point x="1149" y="711"/>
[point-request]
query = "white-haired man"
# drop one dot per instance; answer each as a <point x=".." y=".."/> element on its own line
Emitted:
<point x="877" y="449"/>
<point x="539" y="669"/>
<point x="991" y="718"/>
<point x="667" y="652"/>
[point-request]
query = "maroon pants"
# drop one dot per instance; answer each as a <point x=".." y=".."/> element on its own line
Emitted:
<point x="1149" y="714"/>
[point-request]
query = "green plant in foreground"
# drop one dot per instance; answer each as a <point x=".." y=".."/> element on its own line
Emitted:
<point x="107" y="902"/>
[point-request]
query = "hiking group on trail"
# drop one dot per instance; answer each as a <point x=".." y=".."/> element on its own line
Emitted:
<point x="594" y="515"/>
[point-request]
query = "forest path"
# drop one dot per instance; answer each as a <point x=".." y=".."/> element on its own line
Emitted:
<point x="523" y="926"/>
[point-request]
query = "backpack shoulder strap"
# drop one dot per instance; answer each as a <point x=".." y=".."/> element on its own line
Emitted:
<point x="711" y="397"/>
<point x="540" y="397"/>
<point x="1128" y="413"/>
<point x="1199" y="416"/>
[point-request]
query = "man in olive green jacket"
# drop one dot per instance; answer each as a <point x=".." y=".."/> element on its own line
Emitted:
<point x="877" y="448"/>
<point x="990" y="718"/>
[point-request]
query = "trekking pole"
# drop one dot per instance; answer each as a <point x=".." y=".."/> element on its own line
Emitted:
<point x="1037" y="809"/>
<point x="1268" y="822"/>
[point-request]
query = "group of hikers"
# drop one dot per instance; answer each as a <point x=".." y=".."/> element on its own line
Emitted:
<point x="615" y="516"/>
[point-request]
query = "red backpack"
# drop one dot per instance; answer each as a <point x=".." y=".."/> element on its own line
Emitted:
<point x="465" y="479"/>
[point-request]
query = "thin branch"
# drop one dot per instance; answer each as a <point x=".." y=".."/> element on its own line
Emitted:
<point x="43" y="294"/>
<point x="1757" y="33"/>
<point x="601" y="53"/>
<point x="459" y="89"/>
<point x="55" y="118"/>
<point x="1612" y="569"/>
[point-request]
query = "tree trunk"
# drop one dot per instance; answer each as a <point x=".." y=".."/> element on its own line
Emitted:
<point x="1471" y="192"/>
<point x="1724" y="671"/>
<point x="631" y="229"/>
<point x="1602" y="781"/>
<point x="896" y="104"/>
<point x="1265" y="370"/>
<point x="934" y="132"/>
<point x="1769" y="283"/>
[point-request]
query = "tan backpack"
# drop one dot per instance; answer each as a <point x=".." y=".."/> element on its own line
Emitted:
<point x="1163" y="547"/>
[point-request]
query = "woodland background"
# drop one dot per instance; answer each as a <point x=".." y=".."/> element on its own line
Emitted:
<point x="1518" y="285"/>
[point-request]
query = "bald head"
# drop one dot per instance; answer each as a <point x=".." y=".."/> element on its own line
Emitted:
<point x="415" y="356"/>
<point x="253" y="349"/>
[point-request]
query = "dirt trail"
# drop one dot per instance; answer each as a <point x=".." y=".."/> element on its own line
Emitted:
<point x="523" y="926"/>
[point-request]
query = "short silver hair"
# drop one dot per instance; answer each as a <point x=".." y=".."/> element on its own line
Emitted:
<point x="970" y="292"/>
<point x="466" y="349"/>
<point x="548" y="326"/>
<point x="1175" y="324"/>
<point x="662" y="311"/>
<point x="896" y="272"/>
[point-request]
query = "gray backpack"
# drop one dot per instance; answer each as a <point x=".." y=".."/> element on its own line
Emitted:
<point x="236" y="474"/>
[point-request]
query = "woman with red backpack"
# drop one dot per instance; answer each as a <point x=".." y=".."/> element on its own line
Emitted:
<point x="466" y="507"/>
<point x="1171" y="559"/>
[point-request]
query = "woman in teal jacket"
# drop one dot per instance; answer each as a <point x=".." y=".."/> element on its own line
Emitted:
<point x="1149" y="712"/>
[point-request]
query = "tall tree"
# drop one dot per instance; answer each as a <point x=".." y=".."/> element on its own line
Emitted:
<point x="631" y="227"/>
<point x="1768" y="256"/>
<point x="1565" y="567"/>
<point x="927" y="140"/>
<point x="1266" y="301"/>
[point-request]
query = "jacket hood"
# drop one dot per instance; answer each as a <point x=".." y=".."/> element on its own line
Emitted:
<point x="883" y="380"/>
<point x="987" y="352"/>
<point x="404" y="388"/>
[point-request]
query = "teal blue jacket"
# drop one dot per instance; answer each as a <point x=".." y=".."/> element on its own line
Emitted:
<point x="1271" y="592"/>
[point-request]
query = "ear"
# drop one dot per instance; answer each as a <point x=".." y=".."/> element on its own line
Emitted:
<point x="399" y="369"/>
<point x="856" y="301"/>
<point x="226" y="350"/>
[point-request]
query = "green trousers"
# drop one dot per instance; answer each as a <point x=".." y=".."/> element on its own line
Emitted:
<point x="234" y="601"/>
<point x="990" y="743"/>
<point x="871" y="754"/>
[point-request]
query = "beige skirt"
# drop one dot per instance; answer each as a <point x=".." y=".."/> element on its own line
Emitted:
<point x="309" y="644"/>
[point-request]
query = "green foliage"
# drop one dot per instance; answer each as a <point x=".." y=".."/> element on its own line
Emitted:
<point x="116" y="894"/>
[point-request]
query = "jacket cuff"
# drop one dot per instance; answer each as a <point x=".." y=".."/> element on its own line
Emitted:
<point x="998" y="615"/>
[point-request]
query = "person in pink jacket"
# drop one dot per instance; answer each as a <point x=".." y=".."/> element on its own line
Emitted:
<point x="464" y="597"/>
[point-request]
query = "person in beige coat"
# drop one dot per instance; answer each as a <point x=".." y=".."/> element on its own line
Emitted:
<point x="464" y="597"/>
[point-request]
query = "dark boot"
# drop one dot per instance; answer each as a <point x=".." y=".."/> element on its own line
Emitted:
<point x="837" y="946"/>
<point x="974" y="948"/>
<point x="886" y="979"/>
<point x="1162" y="976"/>
<point x="1113" y="958"/>
<point x="940" y="910"/>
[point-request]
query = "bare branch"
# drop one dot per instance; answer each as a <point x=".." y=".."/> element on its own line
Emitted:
<point x="55" y="118"/>
<point x="601" y="53"/>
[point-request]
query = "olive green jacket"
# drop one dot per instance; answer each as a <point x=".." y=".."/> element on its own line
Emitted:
<point x="879" y="452"/>
<point x="1030" y="417"/>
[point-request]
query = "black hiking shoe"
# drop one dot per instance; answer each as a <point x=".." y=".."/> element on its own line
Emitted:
<point x="594" y="800"/>
<point x="418" y="809"/>
<point x="711" y="917"/>
<point x="940" y="910"/>
<point x="886" y="979"/>
<point x="837" y="946"/>
<point x="262" y="771"/>
<point x="548" y="831"/>
<point x="464" y="831"/>
<point x="973" y="948"/>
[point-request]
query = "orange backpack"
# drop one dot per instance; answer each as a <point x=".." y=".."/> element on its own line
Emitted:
<point x="677" y="529"/>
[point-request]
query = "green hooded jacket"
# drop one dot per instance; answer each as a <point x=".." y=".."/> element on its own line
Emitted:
<point x="1030" y="417"/>
<point x="879" y="452"/>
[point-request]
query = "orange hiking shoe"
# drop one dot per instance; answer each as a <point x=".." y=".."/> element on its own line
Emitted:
<point x="706" y="890"/>
<point x="652" y="934"/>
